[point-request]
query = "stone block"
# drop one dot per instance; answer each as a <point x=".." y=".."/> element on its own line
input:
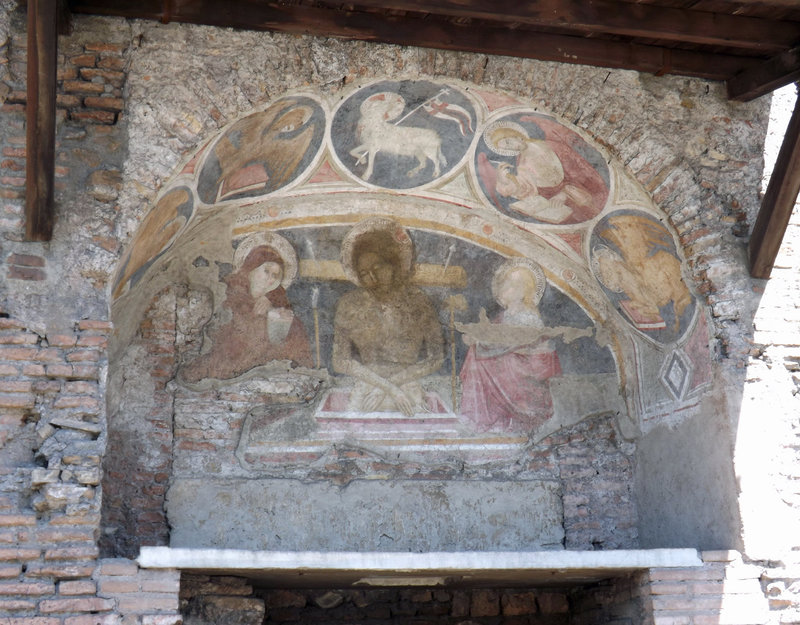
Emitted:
<point x="404" y="515"/>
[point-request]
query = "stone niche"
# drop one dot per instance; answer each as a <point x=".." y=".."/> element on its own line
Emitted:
<point x="412" y="315"/>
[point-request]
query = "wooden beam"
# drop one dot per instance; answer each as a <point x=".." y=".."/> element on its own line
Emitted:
<point x="613" y="17"/>
<point x="441" y="34"/>
<point x="778" y="203"/>
<point x="40" y="119"/>
<point x="765" y="77"/>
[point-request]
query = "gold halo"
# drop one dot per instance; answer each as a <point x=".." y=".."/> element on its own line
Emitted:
<point x="499" y="125"/>
<point x="514" y="263"/>
<point x="376" y="224"/>
<point x="277" y="243"/>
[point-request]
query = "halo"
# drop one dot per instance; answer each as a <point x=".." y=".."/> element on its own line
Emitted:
<point x="597" y="252"/>
<point x="277" y="243"/>
<point x="376" y="224"/>
<point x="514" y="263"/>
<point x="492" y="145"/>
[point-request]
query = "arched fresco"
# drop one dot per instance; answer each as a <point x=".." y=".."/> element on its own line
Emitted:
<point x="419" y="267"/>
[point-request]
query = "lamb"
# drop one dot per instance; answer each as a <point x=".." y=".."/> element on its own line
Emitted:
<point x="377" y="133"/>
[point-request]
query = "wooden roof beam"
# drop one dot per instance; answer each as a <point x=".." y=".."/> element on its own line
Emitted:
<point x="440" y="34"/>
<point x="41" y="119"/>
<point x="614" y="17"/>
<point x="765" y="77"/>
<point x="778" y="203"/>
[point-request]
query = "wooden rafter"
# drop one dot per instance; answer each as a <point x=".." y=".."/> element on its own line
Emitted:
<point x="435" y="33"/>
<point x="778" y="203"/>
<point x="605" y="16"/>
<point x="41" y="119"/>
<point x="764" y="78"/>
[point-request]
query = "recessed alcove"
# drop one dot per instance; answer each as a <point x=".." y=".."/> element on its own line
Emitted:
<point x="562" y="587"/>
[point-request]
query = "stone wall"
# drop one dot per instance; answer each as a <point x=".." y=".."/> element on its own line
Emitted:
<point x="125" y="124"/>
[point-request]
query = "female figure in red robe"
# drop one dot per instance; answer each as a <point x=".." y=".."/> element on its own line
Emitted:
<point x="262" y="326"/>
<point x="510" y="359"/>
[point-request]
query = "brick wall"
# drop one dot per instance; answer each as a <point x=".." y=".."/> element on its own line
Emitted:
<point x="52" y="351"/>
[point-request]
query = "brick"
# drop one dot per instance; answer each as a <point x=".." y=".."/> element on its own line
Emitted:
<point x="12" y="165"/>
<point x="111" y="104"/>
<point x="9" y="370"/>
<point x="118" y="566"/>
<point x="18" y="353"/>
<point x="92" y="341"/>
<point x="77" y="587"/>
<point x="72" y="553"/>
<point x="119" y="585"/>
<point x="77" y="401"/>
<point x="16" y="605"/>
<point x="94" y="619"/>
<point x="95" y="117"/>
<point x="20" y="555"/>
<point x="166" y="585"/>
<point x="59" y="371"/>
<point x="62" y="340"/>
<point x="9" y="571"/>
<point x="18" y="338"/>
<point x="83" y="604"/>
<point x="162" y="619"/>
<point x="12" y="181"/>
<point x="97" y="325"/>
<point x="16" y="387"/>
<point x="18" y="400"/>
<point x="91" y="520"/>
<point x="33" y="370"/>
<point x="26" y="260"/>
<point x="687" y="574"/>
<point x="9" y="520"/>
<point x="84" y="355"/>
<point x="141" y="602"/>
<point x="27" y="588"/>
<point x="66" y="73"/>
<point x="81" y="86"/>
<point x="65" y="100"/>
<point x="60" y="570"/>
<point x="111" y="62"/>
<point x="84" y="60"/>
<point x="80" y="388"/>
<point x="103" y="47"/>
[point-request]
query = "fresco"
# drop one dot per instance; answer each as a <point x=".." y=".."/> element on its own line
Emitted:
<point x="635" y="260"/>
<point x="403" y="134"/>
<point x="411" y="266"/>
<point x="263" y="152"/>
<point x="262" y="327"/>
<point x="157" y="232"/>
<point x="534" y="169"/>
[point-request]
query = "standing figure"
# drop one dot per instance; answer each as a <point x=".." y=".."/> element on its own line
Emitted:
<point x="504" y="379"/>
<point x="386" y="332"/>
<point x="262" y="325"/>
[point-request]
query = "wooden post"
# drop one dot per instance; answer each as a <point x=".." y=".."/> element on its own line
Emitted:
<point x="779" y="199"/>
<point x="41" y="119"/>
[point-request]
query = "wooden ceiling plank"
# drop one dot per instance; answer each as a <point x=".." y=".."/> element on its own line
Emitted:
<point x="778" y="203"/>
<point x="765" y="77"/>
<point x="441" y="34"/>
<point x="40" y="120"/>
<point x="618" y="18"/>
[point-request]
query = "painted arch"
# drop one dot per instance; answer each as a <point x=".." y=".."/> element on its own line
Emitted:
<point x="434" y="267"/>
